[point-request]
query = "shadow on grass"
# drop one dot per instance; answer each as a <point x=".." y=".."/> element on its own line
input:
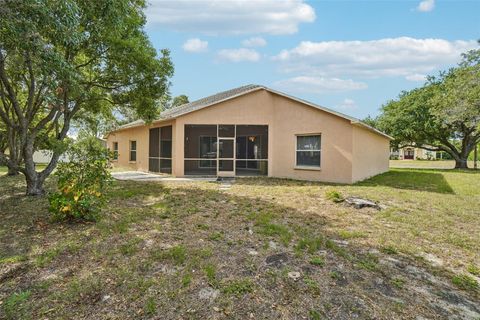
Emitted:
<point x="418" y="179"/>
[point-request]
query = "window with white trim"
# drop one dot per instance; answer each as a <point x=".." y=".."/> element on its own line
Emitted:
<point x="115" y="151"/>
<point x="308" y="151"/>
<point x="133" y="151"/>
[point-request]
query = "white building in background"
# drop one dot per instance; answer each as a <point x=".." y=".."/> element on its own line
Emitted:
<point x="412" y="153"/>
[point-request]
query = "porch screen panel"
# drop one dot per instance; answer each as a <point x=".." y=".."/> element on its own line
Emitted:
<point x="166" y="149"/>
<point x="200" y="150"/>
<point x="251" y="150"/>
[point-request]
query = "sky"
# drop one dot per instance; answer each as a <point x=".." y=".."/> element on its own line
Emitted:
<point x="350" y="56"/>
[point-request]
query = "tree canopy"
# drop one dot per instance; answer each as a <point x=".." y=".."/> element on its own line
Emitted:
<point x="442" y="115"/>
<point x="60" y="57"/>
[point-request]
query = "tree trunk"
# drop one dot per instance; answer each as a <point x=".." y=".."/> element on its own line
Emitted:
<point x="34" y="183"/>
<point x="461" y="163"/>
<point x="12" y="172"/>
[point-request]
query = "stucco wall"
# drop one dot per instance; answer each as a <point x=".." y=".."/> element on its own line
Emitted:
<point x="371" y="153"/>
<point x="141" y="135"/>
<point x="348" y="153"/>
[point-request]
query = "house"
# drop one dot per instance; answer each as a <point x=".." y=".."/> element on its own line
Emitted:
<point x="413" y="153"/>
<point x="253" y="131"/>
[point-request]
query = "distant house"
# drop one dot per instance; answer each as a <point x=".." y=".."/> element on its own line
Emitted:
<point x="253" y="131"/>
<point x="412" y="153"/>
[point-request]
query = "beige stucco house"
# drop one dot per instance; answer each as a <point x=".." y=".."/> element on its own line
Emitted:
<point x="413" y="153"/>
<point x="253" y="131"/>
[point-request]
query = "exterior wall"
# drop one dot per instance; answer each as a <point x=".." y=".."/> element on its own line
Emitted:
<point x="141" y="135"/>
<point x="348" y="153"/>
<point x="285" y="118"/>
<point x="371" y="154"/>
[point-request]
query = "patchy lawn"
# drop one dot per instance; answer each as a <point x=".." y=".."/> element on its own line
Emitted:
<point x="262" y="249"/>
<point x="427" y="164"/>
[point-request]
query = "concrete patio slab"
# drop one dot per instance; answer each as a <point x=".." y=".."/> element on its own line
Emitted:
<point x="145" y="176"/>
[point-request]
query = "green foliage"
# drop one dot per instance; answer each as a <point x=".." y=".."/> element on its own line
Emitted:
<point x="179" y="100"/>
<point x="473" y="269"/>
<point x="238" y="287"/>
<point x="310" y="243"/>
<point x="150" y="306"/>
<point x="315" y="315"/>
<point x="211" y="273"/>
<point x="63" y="59"/>
<point x="14" y="306"/>
<point x="466" y="282"/>
<point x="334" y="196"/>
<point x="442" y="115"/>
<point x="317" y="261"/>
<point x="82" y="182"/>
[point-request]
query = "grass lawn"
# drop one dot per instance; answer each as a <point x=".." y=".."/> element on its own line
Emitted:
<point x="425" y="164"/>
<point x="262" y="249"/>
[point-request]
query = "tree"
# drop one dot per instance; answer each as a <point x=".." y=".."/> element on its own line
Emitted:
<point x="59" y="57"/>
<point x="179" y="100"/>
<point x="443" y="115"/>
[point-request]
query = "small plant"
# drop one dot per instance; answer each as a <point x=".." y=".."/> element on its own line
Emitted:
<point x="312" y="286"/>
<point x="466" y="282"/>
<point x="389" y="250"/>
<point x="335" y="275"/>
<point x="216" y="236"/>
<point x="334" y="196"/>
<point x="369" y="262"/>
<point x="178" y="254"/>
<point x="473" y="269"/>
<point x="346" y="235"/>
<point x="186" y="280"/>
<point x="398" y="282"/>
<point x="210" y="272"/>
<point x="317" y="261"/>
<point x="150" y="306"/>
<point x="238" y="287"/>
<point x="14" y="306"/>
<point x="82" y="182"/>
<point x="310" y="243"/>
<point x="315" y="315"/>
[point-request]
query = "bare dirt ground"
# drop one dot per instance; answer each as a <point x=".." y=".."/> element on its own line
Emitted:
<point x="255" y="249"/>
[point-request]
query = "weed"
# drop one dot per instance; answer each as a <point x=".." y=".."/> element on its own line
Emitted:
<point x="312" y="285"/>
<point x="186" y="280"/>
<point x="342" y="252"/>
<point x="310" y="243"/>
<point x="466" y="282"/>
<point x="345" y="234"/>
<point x="317" y="261"/>
<point x="398" y="282"/>
<point x="238" y="287"/>
<point x="314" y="315"/>
<point x="15" y="305"/>
<point x="129" y="248"/>
<point x="368" y="262"/>
<point x="389" y="250"/>
<point x="335" y="275"/>
<point x="210" y="272"/>
<point x="473" y="269"/>
<point x="150" y="306"/>
<point x="12" y="259"/>
<point x="178" y="254"/>
<point x="334" y="196"/>
<point x="216" y="236"/>
<point x="202" y="226"/>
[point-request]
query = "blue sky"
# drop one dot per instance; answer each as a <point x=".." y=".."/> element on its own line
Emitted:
<point x="351" y="56"/>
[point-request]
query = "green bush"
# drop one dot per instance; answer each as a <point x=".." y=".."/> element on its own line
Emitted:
<point x="82" y="182"/>
<point x="334" y="196"/>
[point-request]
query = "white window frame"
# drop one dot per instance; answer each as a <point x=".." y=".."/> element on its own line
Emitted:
<point x="115" y="152"/>
<point x="130" y="151"/>
<point x="305" y="167"/>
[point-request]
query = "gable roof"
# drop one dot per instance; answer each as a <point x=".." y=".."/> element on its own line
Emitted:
<point x="236" y="92"/>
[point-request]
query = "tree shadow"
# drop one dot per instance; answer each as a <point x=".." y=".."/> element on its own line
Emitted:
<point x="418" y="179"/>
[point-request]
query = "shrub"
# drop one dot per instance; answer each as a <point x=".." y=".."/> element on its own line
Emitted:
<point x="82" y="182"/>
<point x="334" y="196"/>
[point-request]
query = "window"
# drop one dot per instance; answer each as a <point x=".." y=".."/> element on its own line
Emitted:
<point x="133" y="151"/>
<point x="115" y="151"/>
<point x="308" y="151"/>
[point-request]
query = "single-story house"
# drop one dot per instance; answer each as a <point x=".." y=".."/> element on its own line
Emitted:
<point x="253" y="131"/>
<point x="413" y="153"/>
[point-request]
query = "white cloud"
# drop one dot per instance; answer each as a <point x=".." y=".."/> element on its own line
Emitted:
<point x="347" y="104"/>
<point x="426" y="5"/>
<point x="404" y="56"/>
<point x="195" y="45"/>
<point x="254" y="42"/>
<point x="214" y="17"/>
<point x="307" y="84"/>
<point x="239" y="55"/>
<point x="416" y="77"/>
